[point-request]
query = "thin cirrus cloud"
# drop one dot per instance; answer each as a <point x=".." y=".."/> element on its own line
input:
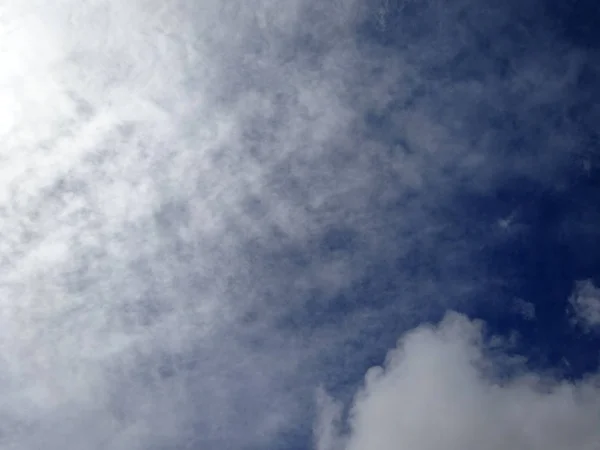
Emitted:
<point x="187" y="189"/>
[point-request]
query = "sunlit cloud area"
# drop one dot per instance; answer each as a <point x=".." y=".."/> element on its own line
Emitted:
<point x="299" y="225"/>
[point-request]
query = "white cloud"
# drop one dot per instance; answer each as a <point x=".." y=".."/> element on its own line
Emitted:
<point x="585" y="301"/>
<point x="439" y="390"/>
<point x="156" y="155"/>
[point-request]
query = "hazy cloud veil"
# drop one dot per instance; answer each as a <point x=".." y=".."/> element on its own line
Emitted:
<point x="201" y="203"/>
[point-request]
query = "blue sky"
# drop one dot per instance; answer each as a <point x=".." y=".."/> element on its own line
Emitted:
<point x="334" y="225"/>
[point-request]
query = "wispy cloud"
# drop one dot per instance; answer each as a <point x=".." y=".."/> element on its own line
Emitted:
<point x="186" y="187"/>
<point x="585" y="302"/>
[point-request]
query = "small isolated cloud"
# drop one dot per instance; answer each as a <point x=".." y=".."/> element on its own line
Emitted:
<point x="524" y="308"/>
<point x="440" y="389"/>
<point x="585" y="301"/>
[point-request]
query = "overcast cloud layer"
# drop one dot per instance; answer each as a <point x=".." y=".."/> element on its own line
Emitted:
<point x="190" y="191"/>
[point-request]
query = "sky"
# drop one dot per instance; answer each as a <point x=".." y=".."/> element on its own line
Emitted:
<point x="299" y="225"/>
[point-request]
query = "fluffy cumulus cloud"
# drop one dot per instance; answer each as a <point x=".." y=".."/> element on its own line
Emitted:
<point x="190" y="192"/>
<point x="442" y="388"/>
